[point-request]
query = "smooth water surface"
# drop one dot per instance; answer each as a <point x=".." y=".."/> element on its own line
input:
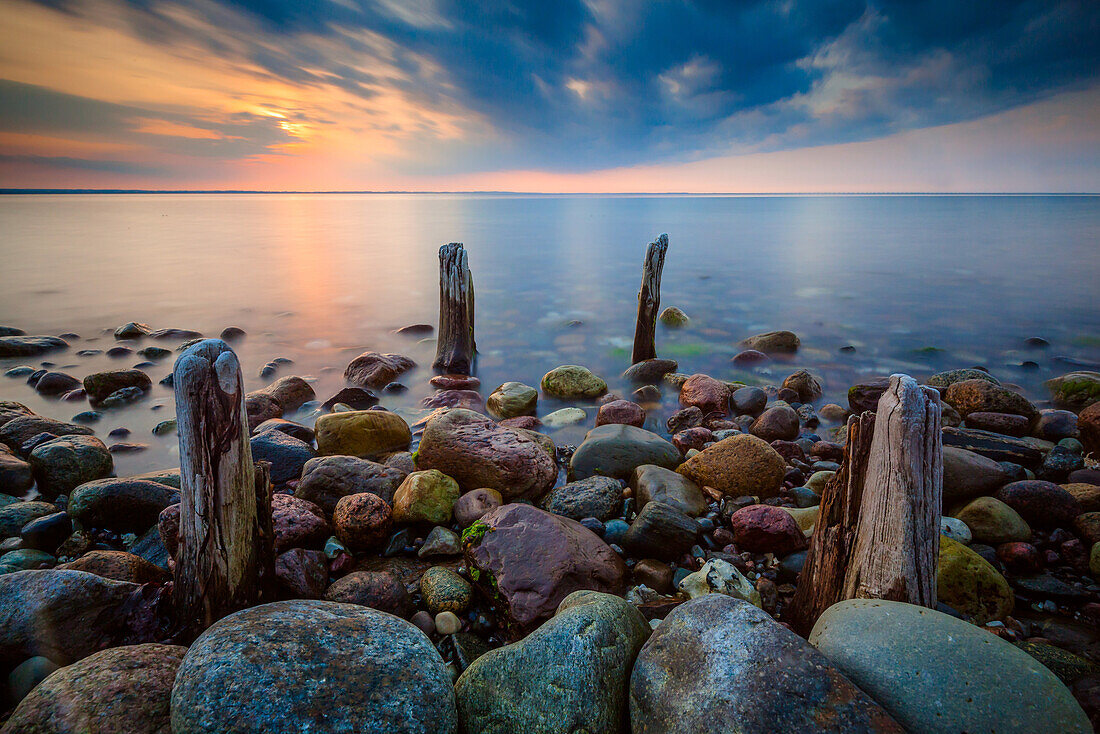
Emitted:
<point x="915" y="283"/>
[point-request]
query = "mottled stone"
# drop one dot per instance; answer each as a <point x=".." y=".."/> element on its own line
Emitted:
<point x="362" y="521"/>
<point x="125" y="505"/>
<point x="737" y="466"/>
<point x="598" y="497"/>
<point x="374" y="370"/>
<point x="363" y="433"/>
<point x="652" y="483"/>
<point x="569" y="382"/>
<point x="375" y="589"/>
<point x="326" y="479"/>
<point x="321" y="667"/>
<point x="66" y="462"/>
<point x="970" y="585"/>
<point x="118" y="566"/>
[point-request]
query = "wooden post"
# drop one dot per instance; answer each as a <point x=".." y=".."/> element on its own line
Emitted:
<point x="649" y="301"/>
<point x="877" y="534"/>
<point x="455" y="348"/>
<point x="226" y="558"/>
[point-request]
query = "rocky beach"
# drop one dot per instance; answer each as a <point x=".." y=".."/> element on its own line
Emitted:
<point x="590" y="552"/>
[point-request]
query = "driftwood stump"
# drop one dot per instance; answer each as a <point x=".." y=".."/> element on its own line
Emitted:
<point x="878" y="531"/>
<point x="456" y="348"/>
<point x="225" y="560"/>
<point x="649" y="301"/>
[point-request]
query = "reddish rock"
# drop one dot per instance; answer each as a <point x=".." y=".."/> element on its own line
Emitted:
<point x="374" y="370"/>
<point x="621" y="411"/>
<point x="787" y="395"/>
<point x="455" y="382"/>
<point x="681" y="420"/>
<point x="302" y="574"/>
<point x="261" y="407"/>
<point x="705" y="393"/>
<point x="766" y="529"/>
<point x="789" y="450"/>
<point x="362" y="520"/>
<point x="1020" y="559"/>
<point x="865" y="395"/>
<point x="827" y="450"/>
<point x="297" y="523"/>
<point x="530" y="560"/>
<point x="1041" y="504"/>
<point x="1088" y="424"/>
<point x="375" y="589"/>
<point x="290" y="392"/>
<point x="692" y="438"/>
<point x="655" y="574"/>
<point x="168" y="526"/>
<point x="779" y="422"/>
<point x="1004" y="423"/>
<point x="469" y="399"/>
<point x="477" y="452"/>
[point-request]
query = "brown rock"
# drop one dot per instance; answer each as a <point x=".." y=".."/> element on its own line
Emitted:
<point x="865" y="395"/>
<point x="470" y="507"/>
<point x="1088" y="424"/>
<point x="260" y="407"/>
<point x="652" y="483"/>
<point x="371" y="369"/>
<point x="705" y="393"/>
<point x="773" y="342"/>
<point x="805" y="385"/>
<point x="650" y="370"/>
<point x="455" y="382"/>
<point x="737" y="466"/>
<point x="655" y="574"/>
<point x="692" y="438"/>
<point x="290" y="393"/>
<point x="1087" y="495"/>
<point x="468" y="399"/>
<point x="530" y="560"/>
<point x="683" y="419"/>
<point x="362" y="520"/>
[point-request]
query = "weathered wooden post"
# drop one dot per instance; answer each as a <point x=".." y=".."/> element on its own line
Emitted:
<point x="225" y="560"/>
<point x="649" y="301"/>
<point x="455" y="348"/>
<point x="878" y="529"/>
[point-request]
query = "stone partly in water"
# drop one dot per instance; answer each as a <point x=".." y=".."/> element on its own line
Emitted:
<point x="778" y="423"/>
<point x="935" y="673"/>
<point x="512" y="399"/>
<point x="61" y="614"/>
<point x="379" y="674"/>
<point x="649" y="371"/>
<point x="101" y="384"/>
<point x="326" y="479"/>
<point x="571" y="382"/>
<point x="16" y="476"/>
<point x="64" y="463"/>
<point x="29" y="346"/>
<point x="720" y="664"/>
<point x="124" y="689"/>
<point x="616" y="450"/>
<point x="479" y="453"/>
<point x="970" y="585"/>
<point x="374" y="370"/>
<point x="982" y="396"/>
<point x="944" y="380"/>
<point x="736" y="466"/>
<point x="570" y="675"/>
<point x="598" y="497"/>
<point x="992" y="521"/>
<point x="805" y="384"/>
<point x="529" y="560"/>
<point x="363" y="433"/>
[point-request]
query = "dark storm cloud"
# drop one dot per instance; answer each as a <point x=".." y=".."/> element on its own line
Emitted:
<point x="575" y="85"/>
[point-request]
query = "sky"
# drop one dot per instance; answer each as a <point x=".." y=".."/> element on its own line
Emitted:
<point x="560" y="96"/>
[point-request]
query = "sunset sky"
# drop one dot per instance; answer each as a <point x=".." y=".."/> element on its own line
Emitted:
<point x="556" y="96"/>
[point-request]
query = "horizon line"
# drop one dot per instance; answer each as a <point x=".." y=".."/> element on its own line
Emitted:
<point x="54" y="191"/>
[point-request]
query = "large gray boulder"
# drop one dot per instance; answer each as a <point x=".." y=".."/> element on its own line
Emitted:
<point x="124" y="505"/>
<point x="936" y="673"/>
<point x="720" y="664"/>
<point x="327" y="479"/>
<point x="313" y="666"/>
<point x="569" y="675"/>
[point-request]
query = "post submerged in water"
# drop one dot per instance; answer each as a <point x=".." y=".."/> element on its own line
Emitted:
<point x="225" y="560"/>
<point x="455" y="348"/>
<point x="649" y="301"/>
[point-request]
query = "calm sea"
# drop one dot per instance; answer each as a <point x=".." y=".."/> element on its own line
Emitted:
<point x="914" y="283"/>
